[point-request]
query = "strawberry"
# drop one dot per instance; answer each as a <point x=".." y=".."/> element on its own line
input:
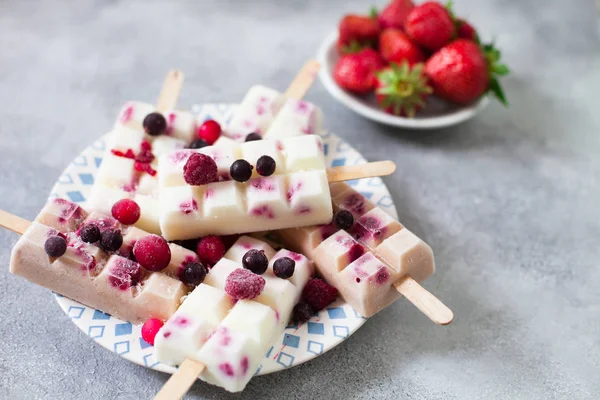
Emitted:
<point x="430" y="25"/>
<point x="402" y="89"/>
<point x="462" y="71"/>
<point x="394" y="15"/>
<point x="395" y="46"/>
<point x="358" y="31"/>
<point x="464" y="30"/>
<point x="356" y="72"/>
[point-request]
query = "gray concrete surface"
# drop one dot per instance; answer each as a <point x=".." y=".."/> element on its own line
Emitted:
<point x="509" y="201"/>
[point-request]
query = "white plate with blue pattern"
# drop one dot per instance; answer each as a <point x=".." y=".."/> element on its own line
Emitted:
<point x="295" y="346"/>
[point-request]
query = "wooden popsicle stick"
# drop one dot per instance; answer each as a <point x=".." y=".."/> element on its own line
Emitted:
<point x="181" y="381"/>
<point x="13" y="223"/>
<point x="170" y="90"/>
<point x="366" y="170"/>
<point x="429" y="305"/>
<point x="303" y="80"/>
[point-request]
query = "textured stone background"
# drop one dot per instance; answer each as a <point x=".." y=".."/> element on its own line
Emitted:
<point x="509" y="201"/>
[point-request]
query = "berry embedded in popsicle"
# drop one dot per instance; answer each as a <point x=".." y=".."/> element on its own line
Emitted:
<point x="231" y="319"/>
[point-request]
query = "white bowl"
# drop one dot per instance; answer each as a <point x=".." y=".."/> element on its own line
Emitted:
<point x="437" y="114"/>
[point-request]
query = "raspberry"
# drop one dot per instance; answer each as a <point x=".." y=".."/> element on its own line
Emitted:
<point x="200" y="169"/>
<point x="256" y="261"/>
<point x="343" y="219"/>
<point x="209" y="131"/>
<point x="89" y="233"/>
<point x="210" y="249"/>
<point x="284" y="267"/>
<point x="55" y="246"/>
<point x="319" y="294"/>
<point x="126" y="211"/>
<point x="150" y="329"/>
<point x="302" y="312"/>
<point x="243" y="284"/>
<point x="265" y="166"/>
<point x="111" y="239"/>
<point x="152" y="252"/>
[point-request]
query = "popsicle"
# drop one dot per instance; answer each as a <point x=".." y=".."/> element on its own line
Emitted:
<point x="288" y="187"/>
<point x="79" y="255"/>
<point x="368" y="256"/>
<point x="227" y="335"/>
<point x="128" y="169"/>
<point x="274" y="115"/>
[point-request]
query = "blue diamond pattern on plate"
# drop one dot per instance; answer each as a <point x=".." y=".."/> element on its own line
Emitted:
<point x="315" y="328"/>
<point x="336" y="313"/>
<point x="315" y="347"/>
<point x="123" y="329"/>
<point x="324" y="331"/>
<point x="96" y="331"/>
<point x="291" y="340"/>
<point x="285" y="359"/>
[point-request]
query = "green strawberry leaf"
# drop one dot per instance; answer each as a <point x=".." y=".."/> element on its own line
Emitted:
<point x="501" y="69"/>
<point x="496" y="89"/>
<point x="373" y="12"/>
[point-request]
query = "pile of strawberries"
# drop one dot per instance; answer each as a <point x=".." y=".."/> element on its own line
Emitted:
<point x="407" y="52"/>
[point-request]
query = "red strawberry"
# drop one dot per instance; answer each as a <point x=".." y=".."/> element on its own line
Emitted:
<point x="358" y="30"/>
<point x="464" y="30"/>
<point x="394" y="15"/>
<point x="430" y="25"/>
<point x="356" y="72"/>
<point x="395" y="46"/>
<point x="402" y="89"/>
<point x="462" y="71"/>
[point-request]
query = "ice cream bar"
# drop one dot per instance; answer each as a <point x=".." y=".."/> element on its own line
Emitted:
<point x="231" y="337"/>
<point x="273" y="116"/>
<point x="107" y="281"/>
<point x="365" y="261"/>
<point x="297" y="194"/>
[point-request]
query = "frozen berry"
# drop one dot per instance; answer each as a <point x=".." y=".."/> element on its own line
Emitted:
<point x="284" y="267"/>
<point x="240" y="170"/>
<point x="198" y="144"/>
<point x="256" y="261"/>
<point x="200" y="169"/>
<point x="319" y="294"/>
<point x="89" y="233"/>
<point x="193" y="274"/>
<point x="252" y="137"/>
<point x="126" y="211"/>
<point x="265" y="166"/>
<point x="111" y="239"/>
<point x="150" y="329"/>
<point x="152" y="252"/>
<point x="154" y="124"/>
<point x="302" y="312"/>
<point x="210" y="249"/>
<point x="343" y="219"/>
<point x="55" y="246"/>
<point x="243" y="284"/>
<point x="209" y="131"/>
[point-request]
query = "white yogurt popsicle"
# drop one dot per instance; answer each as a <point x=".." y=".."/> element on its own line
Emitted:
<point x="270" y="114"/>
<point x="231" y="337"/>
<point x="297" y="194"/>
<point x="365" y="261"/>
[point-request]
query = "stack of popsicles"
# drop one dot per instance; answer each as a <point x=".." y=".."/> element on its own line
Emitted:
<point x="221" y="317"/>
